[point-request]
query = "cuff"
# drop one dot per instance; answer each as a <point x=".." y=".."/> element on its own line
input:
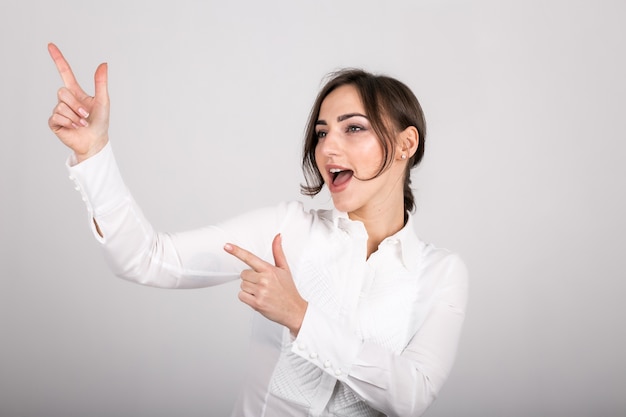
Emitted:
<point x="329" y="345"/>
<point x="99" y="182"/>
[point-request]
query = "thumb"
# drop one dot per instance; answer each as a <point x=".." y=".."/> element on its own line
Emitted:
<point x="277" y="250"/>
<point x="101" y="83"/>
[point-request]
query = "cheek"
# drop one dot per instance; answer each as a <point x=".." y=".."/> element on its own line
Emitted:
<point x="370" y="153"/>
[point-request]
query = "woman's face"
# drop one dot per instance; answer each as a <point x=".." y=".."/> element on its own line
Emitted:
<point x="348" y="155"/>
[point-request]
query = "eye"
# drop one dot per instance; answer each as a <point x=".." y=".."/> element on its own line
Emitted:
<point x="354" y="128"/>
<point x="320" y="134"/>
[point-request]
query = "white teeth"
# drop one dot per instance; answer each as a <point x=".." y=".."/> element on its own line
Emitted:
<point x="335" y="170"/>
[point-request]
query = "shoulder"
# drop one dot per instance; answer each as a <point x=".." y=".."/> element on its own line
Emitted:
<point x="285" y="215"/>
<point x="446" y="270"/>
<point x="443" y="261"/>
<point x="433" y="255"/>
<point x="296" y="212"/>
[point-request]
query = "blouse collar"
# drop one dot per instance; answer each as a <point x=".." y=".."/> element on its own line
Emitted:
<point x="410" y="244"/>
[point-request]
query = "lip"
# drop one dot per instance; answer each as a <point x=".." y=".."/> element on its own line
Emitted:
<point x="332" y="187"/>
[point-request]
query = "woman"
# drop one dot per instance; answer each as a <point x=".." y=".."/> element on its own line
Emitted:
<point x="358" y="317"/>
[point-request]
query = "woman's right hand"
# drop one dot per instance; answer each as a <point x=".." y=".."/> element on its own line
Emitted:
<point x="80" y="121"/>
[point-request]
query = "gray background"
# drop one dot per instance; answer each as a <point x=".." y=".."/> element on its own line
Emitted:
<point x="523" y="176"/>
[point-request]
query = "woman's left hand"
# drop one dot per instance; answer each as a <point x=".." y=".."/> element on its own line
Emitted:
<point x="269" y="289"/>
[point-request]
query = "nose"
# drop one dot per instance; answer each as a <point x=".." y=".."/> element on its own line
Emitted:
<point x="328" y="145"/>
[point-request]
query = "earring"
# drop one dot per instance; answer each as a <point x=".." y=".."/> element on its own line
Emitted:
<point x="403" y="156"/>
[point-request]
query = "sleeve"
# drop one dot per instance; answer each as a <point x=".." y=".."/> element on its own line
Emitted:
<point x="136" y="252"/>
<point x="402" y="384"/>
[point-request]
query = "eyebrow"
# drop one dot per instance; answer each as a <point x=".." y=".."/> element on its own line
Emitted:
<point x="342" y="118"/>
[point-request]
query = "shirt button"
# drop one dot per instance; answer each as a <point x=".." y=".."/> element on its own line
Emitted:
<point x="327" y="364"/>
<point x="337" y="372"/>
<point x="71" y="177"/>
<point x="301" y="346"/>
<point x="313" y="355"/>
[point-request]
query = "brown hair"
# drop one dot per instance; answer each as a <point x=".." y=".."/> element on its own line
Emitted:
<point x="390" y="106"/>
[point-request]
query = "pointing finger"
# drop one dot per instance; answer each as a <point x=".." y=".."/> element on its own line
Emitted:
<point x="63" y="67"/>
<point x="246" y="257"/>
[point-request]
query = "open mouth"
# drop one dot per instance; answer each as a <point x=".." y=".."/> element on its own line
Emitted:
<point x="340" y="176"/>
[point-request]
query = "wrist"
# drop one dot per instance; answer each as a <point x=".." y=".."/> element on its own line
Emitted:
<point x="298" y="318"/>
<point x="82" y="156"/>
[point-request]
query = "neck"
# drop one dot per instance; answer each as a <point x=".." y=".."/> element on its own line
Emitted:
<point x="380" y="223"/>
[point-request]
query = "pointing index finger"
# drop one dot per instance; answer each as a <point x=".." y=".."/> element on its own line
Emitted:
<point x="63" y="67"/>
<point x="246" y="257"/>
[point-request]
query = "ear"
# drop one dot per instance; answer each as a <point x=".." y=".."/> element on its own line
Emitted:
<point x="407" y="141"/>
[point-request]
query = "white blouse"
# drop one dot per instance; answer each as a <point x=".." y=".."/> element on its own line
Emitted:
<point x="379" y="336"/>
